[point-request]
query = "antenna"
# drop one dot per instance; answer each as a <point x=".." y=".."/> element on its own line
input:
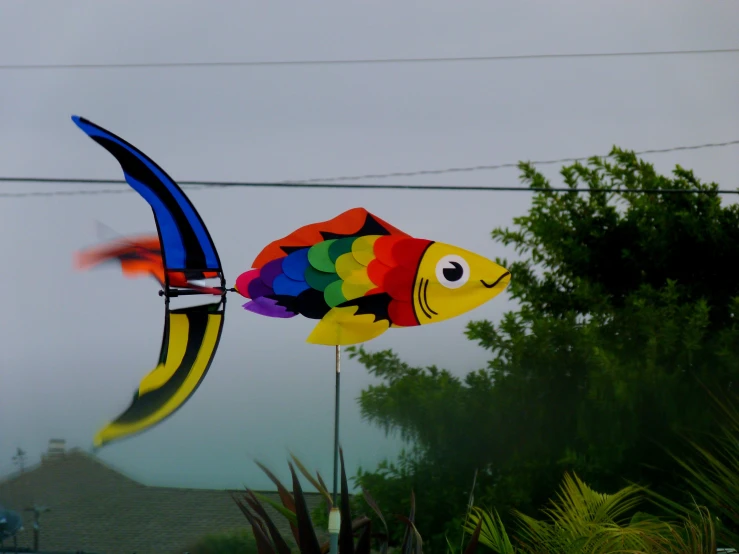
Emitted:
<point x="20" y="459"/>
<point x="37" y="511"/>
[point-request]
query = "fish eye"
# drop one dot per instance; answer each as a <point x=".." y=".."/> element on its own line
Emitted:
<point x="452" y="271"/>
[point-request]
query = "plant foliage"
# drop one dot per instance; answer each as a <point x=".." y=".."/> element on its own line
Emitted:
<point x="711" y="470"/>
<point x="581" y="520"/>
<point x="356" y="535"/>
<point x="624" y="303"/>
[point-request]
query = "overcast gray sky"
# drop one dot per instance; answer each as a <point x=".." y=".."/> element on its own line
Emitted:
<point x="75" y="345"/>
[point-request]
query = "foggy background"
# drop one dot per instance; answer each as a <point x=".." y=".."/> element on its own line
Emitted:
<point x="75" y="345"/>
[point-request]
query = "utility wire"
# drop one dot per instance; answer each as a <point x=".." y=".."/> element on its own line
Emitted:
<point x="363" y="61"/>
<point x="333" y="182"/>
<point x="401" y="187"/>
<point x="509" y="165"/>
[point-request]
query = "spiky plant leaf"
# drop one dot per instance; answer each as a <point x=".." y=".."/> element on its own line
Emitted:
<point x="323" y="484"/>
<point x="316" y="483"/>
<point x="716" y="479"/>
<point x="285" y="496"/>
<point x="287" y="499"/>
<point x="263" y="544"/>
<point x="346" y="537"/>
<point x="697" y="535"/>
<point x="713" y="473"/>
<point x="408" y="537"/>
<point x="308" y="540"/>
<point x="303" y="529"/>
<point x="415" y="542"/>
<point x="364" y="544"/>
<point x="277" y="539"/>
<point x="290" y="516"/>
<point x="472" y="546"/>
<point x="492" y="531"/>
<point x="372" y="504"/>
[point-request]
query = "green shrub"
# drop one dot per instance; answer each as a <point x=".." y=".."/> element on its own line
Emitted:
<point x="582" y="520"/>
<point x="712" y="471"/>
<point x="235" y="542"/>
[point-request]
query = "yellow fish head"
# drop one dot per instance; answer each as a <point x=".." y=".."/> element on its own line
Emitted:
<point x="452" y="281"/>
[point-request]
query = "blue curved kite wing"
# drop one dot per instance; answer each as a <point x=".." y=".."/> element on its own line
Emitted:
<point x="186" y="243"/>
<point x="191" y="334"/>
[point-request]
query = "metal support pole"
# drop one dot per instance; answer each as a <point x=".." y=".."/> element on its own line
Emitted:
<point x="336" y="422"/>
<point x="334" y="517"/>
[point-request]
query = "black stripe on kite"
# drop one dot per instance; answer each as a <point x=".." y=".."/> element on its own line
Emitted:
<point x="151" y="402"/>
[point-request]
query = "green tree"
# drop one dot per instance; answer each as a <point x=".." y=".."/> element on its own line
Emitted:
<point x="625" y="299"/>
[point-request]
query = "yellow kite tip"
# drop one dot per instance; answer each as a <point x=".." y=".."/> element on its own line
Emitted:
<point x="99" y="439"/>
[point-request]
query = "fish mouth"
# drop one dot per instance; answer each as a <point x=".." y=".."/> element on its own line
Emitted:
<point x="498" y="280"/>
<point x="423" y="300"/>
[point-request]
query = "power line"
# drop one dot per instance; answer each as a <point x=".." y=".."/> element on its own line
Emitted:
<point x="399" y="187"/>
<point x="333" y="182"/>
<point x="509" y="165"/>
<point x="365" y="61"/>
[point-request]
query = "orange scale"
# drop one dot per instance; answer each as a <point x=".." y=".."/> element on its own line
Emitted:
<point x="383" y="249"/>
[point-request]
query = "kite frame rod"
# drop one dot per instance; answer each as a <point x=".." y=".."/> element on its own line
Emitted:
<point x="188" y="292"/>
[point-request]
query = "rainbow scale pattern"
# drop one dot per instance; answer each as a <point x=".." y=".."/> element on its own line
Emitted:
<point x="331" y="273"/>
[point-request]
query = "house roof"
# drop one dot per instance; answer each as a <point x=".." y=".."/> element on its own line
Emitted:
<point x="99" y="509"/>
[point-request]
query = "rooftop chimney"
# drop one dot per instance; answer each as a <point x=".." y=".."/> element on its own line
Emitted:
<point x="57" y="449"/>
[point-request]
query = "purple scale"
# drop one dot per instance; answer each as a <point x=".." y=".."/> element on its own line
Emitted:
<point x="270" y="270"/>
<point x="257" y="288"/>
<point x="268" y="307"/>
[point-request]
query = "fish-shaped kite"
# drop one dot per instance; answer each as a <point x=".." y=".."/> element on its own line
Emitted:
<point x="356" y="274"/>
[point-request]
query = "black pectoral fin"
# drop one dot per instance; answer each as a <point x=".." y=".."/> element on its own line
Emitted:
<point x="374" y="304"/>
